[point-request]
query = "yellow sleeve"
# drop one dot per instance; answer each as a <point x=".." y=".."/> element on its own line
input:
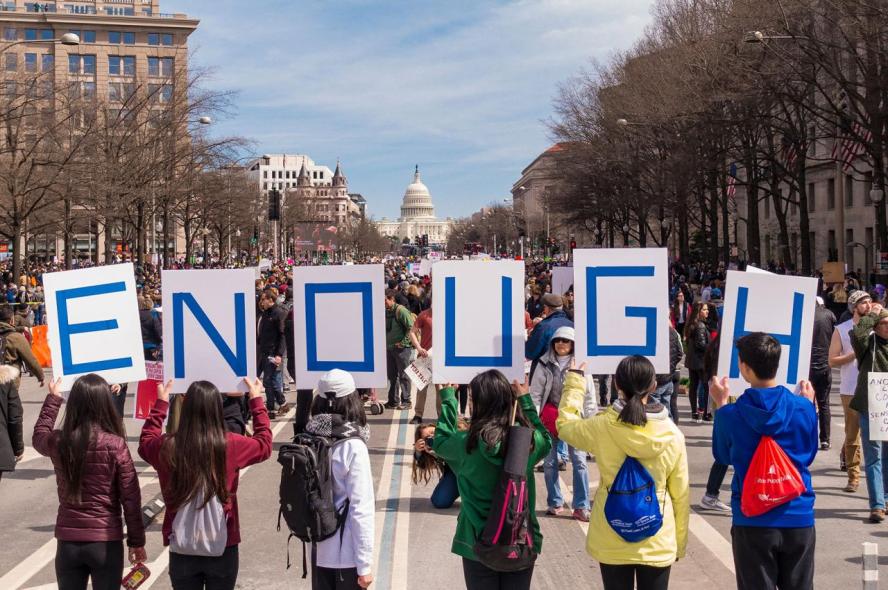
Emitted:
<point x="678" y="488"/>
<point x="572" y="427"/>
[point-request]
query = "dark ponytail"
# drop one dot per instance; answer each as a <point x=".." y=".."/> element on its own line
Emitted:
<point x="635" y="378"/>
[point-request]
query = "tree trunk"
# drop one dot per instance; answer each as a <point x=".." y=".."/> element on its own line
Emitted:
<point x="17" y="235"/>
<point x="67" y="233"/>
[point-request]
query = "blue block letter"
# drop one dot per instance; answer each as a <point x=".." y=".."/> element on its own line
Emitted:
<point x="236" y="360"/>
<point x="311" y="327"/>
<point x="66" y="329"/>
<point x="649" y="348"/>
<point x="793" y="340"/>
<point x="451" y="359"/>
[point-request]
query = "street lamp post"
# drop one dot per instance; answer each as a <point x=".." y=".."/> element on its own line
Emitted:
<point x="867" y="250"/>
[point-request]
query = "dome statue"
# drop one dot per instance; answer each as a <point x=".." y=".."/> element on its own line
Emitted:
<point x="417" y="203"/>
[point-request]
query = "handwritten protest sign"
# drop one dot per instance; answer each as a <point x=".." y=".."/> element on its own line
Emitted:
<point x="878" y="406"/>
<point x="420" y="372"/>
<point x="146" y="391"/>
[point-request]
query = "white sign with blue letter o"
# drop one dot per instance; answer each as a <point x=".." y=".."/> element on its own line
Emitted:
<point x="780" y="305"/>
<point x="209" y="327"/>
<point x="93" y="324"/>
<point x="478" y="319"/>
<point x="339" y="323"/>
<point x="621" y="307"/>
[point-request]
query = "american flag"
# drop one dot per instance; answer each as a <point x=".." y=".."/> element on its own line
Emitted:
<point x="788" y="153"/>
<point x="732" y="181"/>
<point x="850" y="146"/>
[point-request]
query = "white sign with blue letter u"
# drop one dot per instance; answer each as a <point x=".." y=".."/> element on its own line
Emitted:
<point x="621" y="307"/>
<point x="209" y="327"/>
<point x="339" y="323"/>
<point x="478" y="319"/>
<point x="782" y="306"/>
<point x="93" y="322"/>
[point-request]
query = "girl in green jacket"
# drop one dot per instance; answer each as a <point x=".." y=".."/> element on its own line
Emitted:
<point x="476" y="457"/>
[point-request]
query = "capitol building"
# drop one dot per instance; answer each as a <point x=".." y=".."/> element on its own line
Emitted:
<point x="417" y="216"/>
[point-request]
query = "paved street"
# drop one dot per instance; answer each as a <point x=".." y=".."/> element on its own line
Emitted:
<point x="413" y="539"/>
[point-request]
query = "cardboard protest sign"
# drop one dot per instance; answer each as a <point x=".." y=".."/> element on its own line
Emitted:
<point x="209" y="327"/>
<point x="93" y="319"/>
<point x="621" y="306"/>
<point x="780" y="305"/>
<point x="478" y="322"/>
<point x="146" y="391"/>
<point x="339" y="323"/>
<point x="420" y="372"/>
<point x="877" y="387"/>
<point x="562" y="279"/>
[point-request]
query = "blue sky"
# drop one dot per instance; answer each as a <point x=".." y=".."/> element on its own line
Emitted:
<point x="460" y="87"/>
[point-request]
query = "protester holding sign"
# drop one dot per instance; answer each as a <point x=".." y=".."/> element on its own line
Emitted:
<point x="95" y="478"/>
<point x="399" y="348"/>
<point x="198" y="468"/>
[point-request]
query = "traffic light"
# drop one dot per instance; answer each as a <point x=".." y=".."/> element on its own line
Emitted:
<point x="255" y="239"/>
<point x="425" y="240"/>
<point x="573" y="244"/>
<point x="274" y="205"/>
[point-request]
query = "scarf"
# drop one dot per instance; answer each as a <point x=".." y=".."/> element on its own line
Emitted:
<point x="652" y="408"/>
<point x="334" y="426"/>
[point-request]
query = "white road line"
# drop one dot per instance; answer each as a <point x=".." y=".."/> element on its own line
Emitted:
<point x="712" y="540"/>
<point x="401" y="550"/>
<point x="385" y="483"/>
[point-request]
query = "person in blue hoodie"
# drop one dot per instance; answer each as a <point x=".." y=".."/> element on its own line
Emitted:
<point x="775" y="549"/>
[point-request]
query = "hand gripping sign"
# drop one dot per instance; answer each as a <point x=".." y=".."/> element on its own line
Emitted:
<point x="339" y="323"/>
<point x="93" y="322"/>
<point x="209" y="327"/>
<point x="782" y="306"/>
<point x="621" y="299"/>
<point x="478" y="322"/>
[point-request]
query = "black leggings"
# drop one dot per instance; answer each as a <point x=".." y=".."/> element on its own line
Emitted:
<point x="323" y="578"/>
<point x="77" y="562"/>
<point x="191" y="572"/>
<point x="480" y="577"/>
<point x="624" y="577"/>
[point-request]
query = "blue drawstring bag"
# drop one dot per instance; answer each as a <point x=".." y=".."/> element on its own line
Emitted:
<point x="632" y="508"/>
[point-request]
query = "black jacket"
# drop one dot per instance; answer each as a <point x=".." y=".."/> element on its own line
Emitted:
<point x="270" y="332"/>
<point x="698" y="340"/>
<point x="152" y="333"/>
<point x="11" y="442"/>
<point x="675" y="354"/>
<point x="824" y="324"/>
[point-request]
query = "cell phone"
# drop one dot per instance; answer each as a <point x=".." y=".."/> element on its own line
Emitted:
<point x="136" y="577"/>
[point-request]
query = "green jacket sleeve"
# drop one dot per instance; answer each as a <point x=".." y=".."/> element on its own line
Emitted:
<point x="542" y="441"/>
<point x="572" y="427"/>
<point x="445" y="444"/>
<point x="860" y="336"/>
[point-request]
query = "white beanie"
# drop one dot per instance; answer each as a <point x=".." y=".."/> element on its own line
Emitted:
<point x="565" y="332"/>
<point x="338" y="382"/>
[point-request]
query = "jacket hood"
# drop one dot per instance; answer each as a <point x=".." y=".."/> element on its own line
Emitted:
<point x="8" y="374"/>
<point x="766" y="411"/>
<point x="642" y="442"/>
<point x="6" y="328"/>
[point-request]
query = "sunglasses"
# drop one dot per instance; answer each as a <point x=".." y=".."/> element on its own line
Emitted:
<point x="561" y="341"/>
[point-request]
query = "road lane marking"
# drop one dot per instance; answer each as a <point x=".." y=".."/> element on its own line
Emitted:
<point x="393" y="555"/>
<point x="712" y="540"/>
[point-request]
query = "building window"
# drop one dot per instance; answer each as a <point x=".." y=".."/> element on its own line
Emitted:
<point x="80" y="9"/>
<point x="11" y="62"/>
<point x="30" y="62"/>
<point x="831" y="244"/>
<point x="812" y="198"/>
<point x="47" y="62"/>
<point x="160" y="39"/>
<point x="120" y="91"/>
<point x="849" y="191"/>
<point x="38" y="34"/>
<point x="265" y="174"/>
<point x="81" y="64"/>
<point x="160" y="92"/>
<point x="114" y="37"/>
<point x="831" y="194"/>
<point x="10" y="34"/>
<point x="160" y="66"/>
<point x="122" y="65"/>
<point x="39" y="7"/>
<point x="119" y="11"/>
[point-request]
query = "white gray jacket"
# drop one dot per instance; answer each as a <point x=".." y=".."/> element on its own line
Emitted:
<point x="548" y="377"/>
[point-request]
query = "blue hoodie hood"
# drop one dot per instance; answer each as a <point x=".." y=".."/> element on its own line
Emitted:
<point x="766" y="411"/>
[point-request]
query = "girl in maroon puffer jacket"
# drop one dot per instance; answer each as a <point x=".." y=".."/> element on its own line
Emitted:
<point x="95" y="477"/>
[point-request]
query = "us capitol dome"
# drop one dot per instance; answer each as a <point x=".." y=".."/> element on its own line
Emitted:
<point x="417" y="216"/>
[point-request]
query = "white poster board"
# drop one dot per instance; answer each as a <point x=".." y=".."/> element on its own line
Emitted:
<point x="209" y="327"/>
<point x="478" y="322"/>
<point x="339" y="323"/>
<point x="621" y="306"/>
<point x="435" y="256"/>
<point x="420" y="372"/>
<point x="425" y="268"/>
<point x="93" y="324"/>
<point x="878" y="405"/>
<point x="562" y="279"/>
<point x="780" y="305"/>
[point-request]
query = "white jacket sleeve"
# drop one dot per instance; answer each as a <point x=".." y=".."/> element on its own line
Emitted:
<point x="362" y="504"/>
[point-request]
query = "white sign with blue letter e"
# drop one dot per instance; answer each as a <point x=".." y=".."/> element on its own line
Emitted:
<point x="93" y="324"/>
<point x="209" y="327"/>
<point x="782" y="306"/>
<point x="621" y="307"/>
<point x="478" y="319"/>
<point x="339" y="323"/>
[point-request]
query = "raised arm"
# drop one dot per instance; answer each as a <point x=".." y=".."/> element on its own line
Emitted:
<point x="572" y="427"/>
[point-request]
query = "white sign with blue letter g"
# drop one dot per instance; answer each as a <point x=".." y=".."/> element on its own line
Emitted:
<point x="478" y="322"/>
<point x="93" y="322"/>
<point x="339" y="323"/>
<point x="209" y="327"/>
<point x="621" y="299"/>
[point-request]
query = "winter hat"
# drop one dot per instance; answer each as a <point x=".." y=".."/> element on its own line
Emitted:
<point x="857" y="298"/>
<point x="338" y="382"/>
<point x="553" y="301"/>
<point x="565" y="332"/>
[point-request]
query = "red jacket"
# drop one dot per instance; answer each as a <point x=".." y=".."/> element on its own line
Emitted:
<point x="240" y="452"/>
<point x="109" y="480"/>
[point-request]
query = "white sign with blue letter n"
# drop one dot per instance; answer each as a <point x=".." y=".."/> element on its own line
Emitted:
<point x="782" y="306"/>
<point x="621" y="307"/>
<point x="209" y="327"/>
<point x="339" y="323"/>
<point x="93" y="319"/>
<point x="478" y="322"/>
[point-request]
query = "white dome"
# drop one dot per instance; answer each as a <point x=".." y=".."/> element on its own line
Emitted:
<point x="417" y="203"/>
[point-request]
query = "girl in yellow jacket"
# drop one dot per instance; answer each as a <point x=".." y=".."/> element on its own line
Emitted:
<point x="635" y="426"/>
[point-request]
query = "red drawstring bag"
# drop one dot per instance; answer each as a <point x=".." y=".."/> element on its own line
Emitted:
<point x="771" y="480"/>
<point x="548" y="416"/>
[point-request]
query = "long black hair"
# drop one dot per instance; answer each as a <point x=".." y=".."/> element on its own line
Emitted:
<point x="350" y="407"/>
<point x="492" y="402"/>
<point x="197" y="452"/>
<point x="636" y="378"/>
<point x="89" y="409"/>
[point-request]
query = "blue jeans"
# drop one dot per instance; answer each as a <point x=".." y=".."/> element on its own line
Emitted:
<point x="663" y="394"/>
<point x="875" y="454"/>
<point x="554" y="499"/>
<point x="273" y="381"/>
<point x="562" y="450"/>
<point x="446" y="492"/>
<point x="703" y="397"/>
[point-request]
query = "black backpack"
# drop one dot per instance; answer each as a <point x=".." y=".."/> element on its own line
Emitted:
<point x="506" y="543"/>
<point x="306" y="492"/>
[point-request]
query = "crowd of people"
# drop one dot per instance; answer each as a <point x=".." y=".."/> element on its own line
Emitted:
<point x="626" y="422"/>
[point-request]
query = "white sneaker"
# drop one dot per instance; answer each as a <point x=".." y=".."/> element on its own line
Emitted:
<point x="713" y="503"/>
